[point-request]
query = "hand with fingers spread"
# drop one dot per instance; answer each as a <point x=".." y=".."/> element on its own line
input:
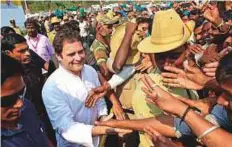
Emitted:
<point x="212" y="14"/>
<point x="195" y="49"/>
<point x="210" y="69"/>
<point x="157" y="96"/>
<point x="146" y="63"/>
<point x="177" y="78"/>
<point x="196" y="75"/>
<point x="158" y="139"/>
<point x="95" y="94"/>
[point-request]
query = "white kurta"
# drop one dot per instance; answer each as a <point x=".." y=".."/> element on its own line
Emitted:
<point x="64" y="96"/>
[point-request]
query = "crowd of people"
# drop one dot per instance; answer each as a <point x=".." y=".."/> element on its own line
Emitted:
<point x="131" y="76"/>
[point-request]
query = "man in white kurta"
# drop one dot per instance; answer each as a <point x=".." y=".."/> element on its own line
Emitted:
<point x="64" y="96"/>
<point x="65" y="92"/>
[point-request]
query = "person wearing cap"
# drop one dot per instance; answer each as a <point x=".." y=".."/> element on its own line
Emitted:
<point x="55" y="22"/>
<point x="16" y="28"/>
<point x="65" y="19"/>
<point x="166" y="43"/>
<point x="100" y="47"/>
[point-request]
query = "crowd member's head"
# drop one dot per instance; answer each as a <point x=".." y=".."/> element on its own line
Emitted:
<point x="224" y="78"/>
<point x="31" y="27"/>
<point x="194" y="14"/>
<point x="228" y="43"/>
<point x="65" y="18"/>
<point x="69" y="50"/>
<point x="55" y="23"/>
<point x="7" y="30"/>
<point x="105" y="26"/>
<point x="143" y="26"/>
<point x="15" y="46"/>
<point x="12" y="91"/>
<point x="168" y="38"/>
<point x="71" y="24"/>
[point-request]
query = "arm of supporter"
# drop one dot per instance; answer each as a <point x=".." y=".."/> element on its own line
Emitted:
<point x="101" y="104"/>
<point x="40" y="62"/>
<point x="169" y="103"/>
<point x="124" y="49"/>
<point x="122" y="76"/>
<point x="216" y="138"/>
<point x="61" y="117"/>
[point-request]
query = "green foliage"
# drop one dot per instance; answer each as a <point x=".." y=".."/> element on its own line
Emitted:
<point x="38" y="6"/>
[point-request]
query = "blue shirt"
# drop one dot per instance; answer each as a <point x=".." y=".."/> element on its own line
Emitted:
<point x="31" y="132"/>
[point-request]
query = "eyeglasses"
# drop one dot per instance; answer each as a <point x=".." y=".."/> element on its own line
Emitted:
<point x="10" y="100"/>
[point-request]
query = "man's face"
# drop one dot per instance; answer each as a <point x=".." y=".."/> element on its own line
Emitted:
<point x="168" y="58"/>
<point x="56" y="26"/>
<point x="72" y="56"/>
<point x="11" y="91"/>
<point x="143" y="29"/>
<point x="106" y="30"/>
<point x="204" y="33"/>
<point x="21" y="53"/>
<point x="31" y="30"/>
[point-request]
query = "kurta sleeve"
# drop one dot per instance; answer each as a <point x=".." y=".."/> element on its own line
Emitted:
<point x="61" y="117"/>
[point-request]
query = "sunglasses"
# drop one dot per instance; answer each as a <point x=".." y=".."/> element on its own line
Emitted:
<point x="10" y="100"/>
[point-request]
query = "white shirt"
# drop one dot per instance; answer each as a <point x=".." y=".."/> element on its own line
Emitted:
<point x="64" y="96"/>
<point x="83" y="28"/>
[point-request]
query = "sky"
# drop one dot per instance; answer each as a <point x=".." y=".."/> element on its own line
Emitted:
<point x="12" y="12"/>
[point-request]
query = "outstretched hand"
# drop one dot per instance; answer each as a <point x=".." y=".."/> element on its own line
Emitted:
<point x="161" y="98"/>
<point x="95" y="94"/>
<point x="178" y="78"/>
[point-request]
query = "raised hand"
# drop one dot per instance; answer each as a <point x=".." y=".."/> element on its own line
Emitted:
<point x="158" y="139"/>
<point x="161" y="98"/>
<point x="195" y="49"/>
<point x="177" y="78"/>
<point x="146" y="63"/>
<point x="212" y="14"/>
<point x="195" y="75"/>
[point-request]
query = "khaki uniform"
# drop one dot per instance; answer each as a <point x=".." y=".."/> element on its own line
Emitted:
<point x="51" y="36"/>
<point x="143" y="109"/>
<point x="100" y="51"/>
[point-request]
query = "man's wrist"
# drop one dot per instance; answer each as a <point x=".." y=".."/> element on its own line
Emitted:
<point x="181" y="110"/>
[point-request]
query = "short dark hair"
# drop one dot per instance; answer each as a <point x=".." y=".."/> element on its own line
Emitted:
<point x="199" y="21"/>
<point x="9" y="41"/>
<point x="224" y="70"/>
<point x="71" y="24"/>
<point x="31" y="21"/>
<point x="9" y="67"/>
<point x="65" y="34"/>
<point x="6" y="30"/>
